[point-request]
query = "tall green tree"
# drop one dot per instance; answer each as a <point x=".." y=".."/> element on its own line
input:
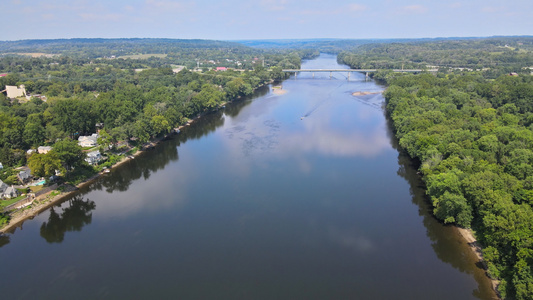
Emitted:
<point x="45" y="165"/>
<point x="70" y="153"/>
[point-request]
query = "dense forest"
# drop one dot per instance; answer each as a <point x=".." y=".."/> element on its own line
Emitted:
<point x="473" y="138"/>
<point x="336" y="46"/>
<point x="470" y="128"/>
<point x="494" y="56"/>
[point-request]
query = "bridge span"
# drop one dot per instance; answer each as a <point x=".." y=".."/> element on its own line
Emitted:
<point x="349" y="71"/>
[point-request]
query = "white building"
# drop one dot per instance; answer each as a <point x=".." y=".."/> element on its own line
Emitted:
<point x="93" y="157"/>
<point x="10" y="192"/>
<point x="15" y="91"/>
<point x="88" y="140"/>
<point x="44" y="149"/>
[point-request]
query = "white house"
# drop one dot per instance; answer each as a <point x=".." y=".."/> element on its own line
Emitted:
<point x="10" y="192"/>
<point x="43" y="149"/>
<point x="88" y="140"/>
<point x="93" y="157"/>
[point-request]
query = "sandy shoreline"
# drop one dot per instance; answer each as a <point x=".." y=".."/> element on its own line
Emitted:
<point x="365" y="93"/>
<point x="278" y="90"/>
<point x="474" y="245"/>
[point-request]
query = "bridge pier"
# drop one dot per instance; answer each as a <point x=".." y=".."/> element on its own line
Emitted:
<point x="313" y="74"/>
<point x="330" y="75"/>
<point x="349" y="75"/>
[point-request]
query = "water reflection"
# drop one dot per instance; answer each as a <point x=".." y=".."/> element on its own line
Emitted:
<point x="445" y="241"/>
<point x="322" y="138"/>
<point x="210" y="122"/>
<point x="77" y="214"/>
<point x="4" y="240"/>
<point x="234" y="108"/>
<point x="352" y="239"/>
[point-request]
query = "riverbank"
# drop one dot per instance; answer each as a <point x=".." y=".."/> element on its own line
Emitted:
<point x="475" y="246"/>
<point x="365" y="93"/>
<point x="51" y="198"/>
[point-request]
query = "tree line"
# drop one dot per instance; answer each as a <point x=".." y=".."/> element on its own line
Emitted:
<point x="492" y="56"/>
<point x="126" y="104"/>
<point x="473" y="137"/>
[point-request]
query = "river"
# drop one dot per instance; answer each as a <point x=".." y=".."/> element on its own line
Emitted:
<point x="301" y="195"/>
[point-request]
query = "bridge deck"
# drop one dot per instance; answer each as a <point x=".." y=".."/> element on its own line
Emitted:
<point x="354" y="70"/>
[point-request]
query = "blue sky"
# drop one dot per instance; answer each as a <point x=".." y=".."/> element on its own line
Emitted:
<point x="264" y="19"/>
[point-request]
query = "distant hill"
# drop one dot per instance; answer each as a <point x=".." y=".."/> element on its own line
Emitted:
<point x="106" y="47"/>
<point x="338" y="45"/>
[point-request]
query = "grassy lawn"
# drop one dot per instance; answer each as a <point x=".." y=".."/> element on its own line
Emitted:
<point x="36" y="188"/>
<point x="4" y="203"/>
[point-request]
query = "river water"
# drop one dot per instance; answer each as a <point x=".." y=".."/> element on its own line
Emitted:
<point x="302" y="195"/>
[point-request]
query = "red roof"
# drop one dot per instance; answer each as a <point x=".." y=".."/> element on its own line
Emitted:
<point x="3" y="75"/>
<point x="221" y="68"/>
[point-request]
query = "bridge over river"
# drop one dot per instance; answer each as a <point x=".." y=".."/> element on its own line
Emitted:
<point x="349" y="71"/>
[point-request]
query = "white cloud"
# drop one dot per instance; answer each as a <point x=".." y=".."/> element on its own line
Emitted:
<point x="322" y="12"/>
<point x="414" y="9"/>
<point x="352" y="240"/>
<point x="456" y="5"/>
<point x="100" y="17"/>
<point x="357" y="7"/>
<point x="48" y="17"/>
<point x="168" y="6"/>
<point x="274" y="5"/>
<point x="492" y="9"/>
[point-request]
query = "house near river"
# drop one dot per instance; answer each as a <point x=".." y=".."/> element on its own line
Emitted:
<point x="88" y="140"/>
<point x="7" y="191"/>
